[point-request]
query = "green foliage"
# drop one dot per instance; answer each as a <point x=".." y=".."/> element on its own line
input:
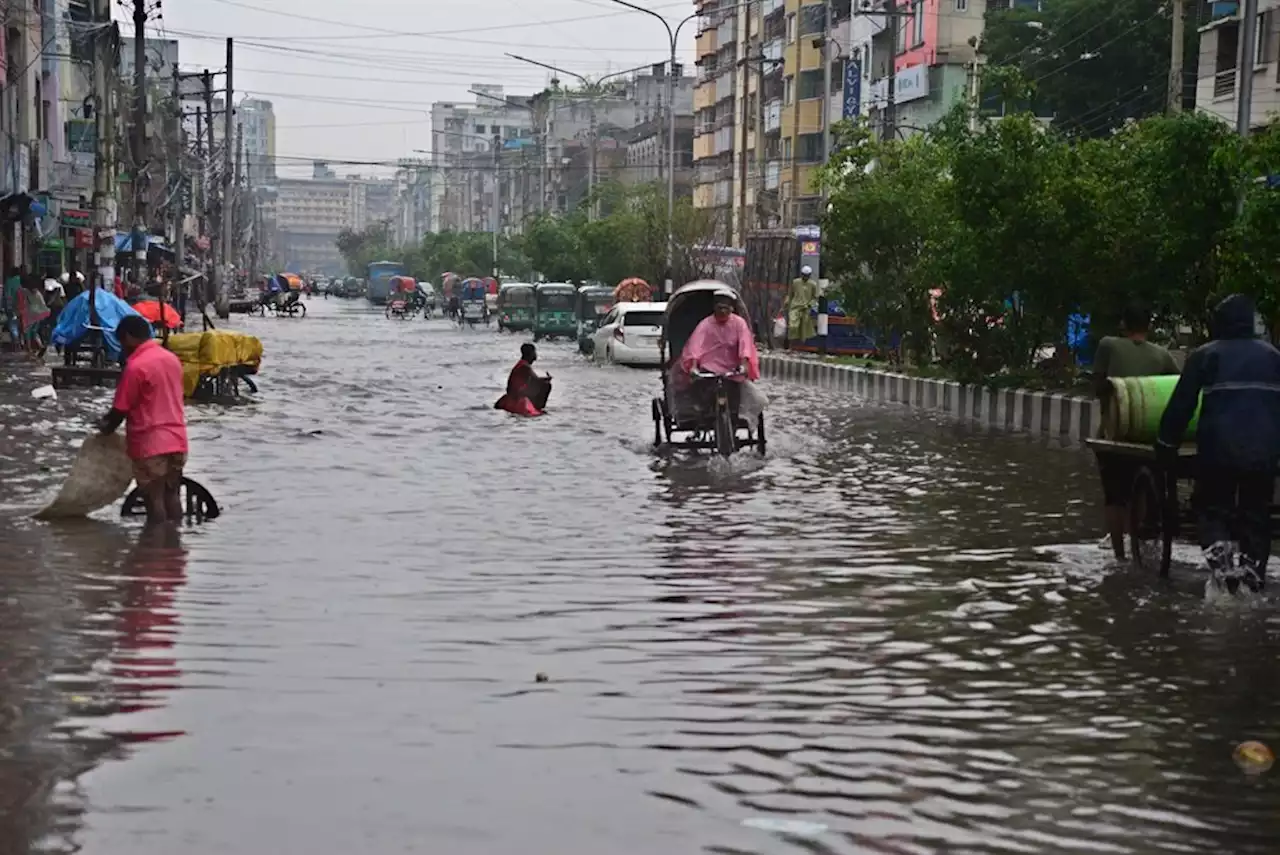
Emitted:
<point x="1095" y="64"/>
<point x="1019" y="228"/>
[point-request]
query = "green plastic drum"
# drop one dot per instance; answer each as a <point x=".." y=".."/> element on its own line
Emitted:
<point x="1134" y="409"/>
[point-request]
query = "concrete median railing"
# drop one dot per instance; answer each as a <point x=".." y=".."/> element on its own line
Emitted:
<point x="1059" y="416"/>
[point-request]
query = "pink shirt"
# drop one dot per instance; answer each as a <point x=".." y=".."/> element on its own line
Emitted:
<point x="722" y="347"/>
<point x="150" y="394"/>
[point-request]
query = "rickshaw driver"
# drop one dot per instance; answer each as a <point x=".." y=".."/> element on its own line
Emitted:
<point x="722" y="344"/>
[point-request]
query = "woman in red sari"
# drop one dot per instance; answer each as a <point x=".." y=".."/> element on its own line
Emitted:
<point x="526" y="391"/>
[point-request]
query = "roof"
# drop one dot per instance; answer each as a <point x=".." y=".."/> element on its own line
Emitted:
<point x="624" y="308"/>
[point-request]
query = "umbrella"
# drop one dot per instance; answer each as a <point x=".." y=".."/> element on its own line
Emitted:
<point x="632" y="290"/>
<point x="152" y="311"/>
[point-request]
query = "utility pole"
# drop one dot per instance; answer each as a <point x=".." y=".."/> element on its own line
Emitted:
<point x="213" y="225"/>
<point x="140" y="238"/>
<point x="1245" y="66"/>
<point x="825" y="53"/>
<point x="591" y="165"/>
<point x="890" y="107"/>
<point x="224" y="273"/>
<point x="179" y="201"/>
<point x="104" y="173"/>
<point x="493" y="211"/>
<point x="1175" y="55"/>
<point x="237" y="204"/>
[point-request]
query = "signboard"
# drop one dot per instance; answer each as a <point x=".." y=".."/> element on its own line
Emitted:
<point x="83" y="238"/>
<point x="910" y="84"/>
<point x="77" y="218"/>
<point x="852" y="89"/>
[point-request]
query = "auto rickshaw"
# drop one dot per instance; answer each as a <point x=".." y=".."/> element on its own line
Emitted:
<point x="553" y="311"/>
<point x="515" y="306"/>
<point x="473" y="308"/>
<point x="594" y="302"/>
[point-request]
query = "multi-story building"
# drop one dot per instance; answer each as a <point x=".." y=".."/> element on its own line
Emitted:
<point x="722" y="48"/>
<point x="162" y="59"/>
<point x="463" y="149"/>
<point x="647" y="154"/>
<point x="256" y="123"/>
<point x="310" y="213"/>
<point x="1218" y="77"/>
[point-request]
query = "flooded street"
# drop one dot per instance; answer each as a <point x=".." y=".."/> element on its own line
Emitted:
<point x="892" y="635"/>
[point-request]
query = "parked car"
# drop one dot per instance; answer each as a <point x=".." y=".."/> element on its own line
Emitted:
<point x="629" y="334"/>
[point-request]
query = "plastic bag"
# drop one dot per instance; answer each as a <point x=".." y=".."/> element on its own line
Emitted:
<point x="752" y="403"/>
<point x="101" y="474"/>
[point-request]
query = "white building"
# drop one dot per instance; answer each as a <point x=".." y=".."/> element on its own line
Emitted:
<point x="310" y="213"/>
<point x="256" y="122"/>
<point x="162" y="59"/>
<point x="458" y="133"/>
<point x="1218" y="77"/>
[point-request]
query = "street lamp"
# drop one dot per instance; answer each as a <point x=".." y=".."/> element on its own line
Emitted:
<point x="673" y="36"/>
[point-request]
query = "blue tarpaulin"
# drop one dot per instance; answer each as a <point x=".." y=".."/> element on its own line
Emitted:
<point x="124" y="242"/>
<point x="73" y="322"/>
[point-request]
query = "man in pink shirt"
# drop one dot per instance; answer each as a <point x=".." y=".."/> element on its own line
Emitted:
<point x="149" y="395"/>
<point x="722" y="344"/>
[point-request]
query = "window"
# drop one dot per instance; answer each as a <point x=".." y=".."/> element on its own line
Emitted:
<point x="810" y="84"/>
<point x="479" y="129"/>
<point x="837" y="75"/>
<point x="1263" y="54"/>
<point x="917" y="35"/>
<point x="786" y="150"/>
<point x="810" y="148"/>
<point x="813" y="19"/>
<point x="904" y="32"/>
<point x="787" y="90"/>
<point x="962" y="5"/>
<point x="791" y="28"/>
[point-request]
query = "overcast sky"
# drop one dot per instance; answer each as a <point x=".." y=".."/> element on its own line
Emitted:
<point x="355" y="79"/>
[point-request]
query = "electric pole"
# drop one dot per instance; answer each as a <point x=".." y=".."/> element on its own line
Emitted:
<point x="105" y="44"/>
<point x="1175" y="56"/>
<point x="1245" y="66"/>
<point x="890" y="108"/>
<point x="224" y="272"/>
<point x="825" y="53"/>
<point x="178" y="202"/>
<point x="140" y="239"/>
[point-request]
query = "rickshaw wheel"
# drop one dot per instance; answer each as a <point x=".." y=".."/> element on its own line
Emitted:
<point x="197" y="502"/>
<point x="725" y="438"/>
<point x="301" y="310"/>
<point x="1145" y="521"/>
<point x="760" y="443"/>
<point x="262" y="310"/>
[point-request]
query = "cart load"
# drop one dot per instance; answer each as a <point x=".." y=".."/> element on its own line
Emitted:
<point x="216" y="355"/>
<point x="1135" y="405"/>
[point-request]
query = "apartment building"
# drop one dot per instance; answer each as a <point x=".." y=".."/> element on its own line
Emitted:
<point x="1218" y="76"/>
<point x="310" y="213"/>
<point x="722" y="45"/>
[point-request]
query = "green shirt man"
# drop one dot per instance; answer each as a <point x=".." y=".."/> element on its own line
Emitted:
<point x="1129" y="355"/>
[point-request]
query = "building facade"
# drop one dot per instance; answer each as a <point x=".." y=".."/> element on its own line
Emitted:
<point x="310" y="213"/>
<point x="256" y="123"/>
<point x="1218" y="74"/>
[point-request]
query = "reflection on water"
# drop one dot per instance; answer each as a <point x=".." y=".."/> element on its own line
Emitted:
<point x="892" y="635"/>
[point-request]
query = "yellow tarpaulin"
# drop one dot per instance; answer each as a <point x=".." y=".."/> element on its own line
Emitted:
<point x="206" y="354"/>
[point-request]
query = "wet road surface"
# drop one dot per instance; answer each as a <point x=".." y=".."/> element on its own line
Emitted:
<point x="892" y="635"/>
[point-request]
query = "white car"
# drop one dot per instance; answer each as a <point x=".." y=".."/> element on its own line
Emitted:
<point x="629" y="334"/>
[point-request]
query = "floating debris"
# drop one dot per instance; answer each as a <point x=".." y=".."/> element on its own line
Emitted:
<point x="1253" y="758"/>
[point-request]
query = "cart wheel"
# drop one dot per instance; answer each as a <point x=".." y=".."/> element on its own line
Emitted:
<point x="760" y="442"/>
<point x="302" y="310"/>
<point x="262" y="310"/>
<point x="1146" y="520"/>
<point x="198" y="503"/>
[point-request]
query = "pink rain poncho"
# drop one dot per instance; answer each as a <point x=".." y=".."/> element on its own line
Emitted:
<point x="722" y="347"/>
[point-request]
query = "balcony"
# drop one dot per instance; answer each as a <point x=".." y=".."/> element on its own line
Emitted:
<point x="727" y="32"/>
<point x="772" y="117"/>
<point x="772" y="175"/>
<point x="705" y="174"/>
<point x="726" y="85"/>
<point x="772" y="7"/>
<point x="705" y="44"/>
<point x="704" y="96"/>
<point x="773" y="50"/>
<point x="723" y="140"/>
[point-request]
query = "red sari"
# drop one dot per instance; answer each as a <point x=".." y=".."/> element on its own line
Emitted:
<point x="517" y="398"/>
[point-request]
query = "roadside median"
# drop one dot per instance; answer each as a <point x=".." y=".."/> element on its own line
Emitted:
<point x="1056" y="415"/>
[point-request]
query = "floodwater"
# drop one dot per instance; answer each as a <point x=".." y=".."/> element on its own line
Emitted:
<point x="891" y="635"/>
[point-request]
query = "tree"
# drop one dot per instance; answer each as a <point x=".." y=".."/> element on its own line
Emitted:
<point x="1095" y="63"/>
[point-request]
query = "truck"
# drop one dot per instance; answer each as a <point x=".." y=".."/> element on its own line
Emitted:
<point x="774" y="258"/>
